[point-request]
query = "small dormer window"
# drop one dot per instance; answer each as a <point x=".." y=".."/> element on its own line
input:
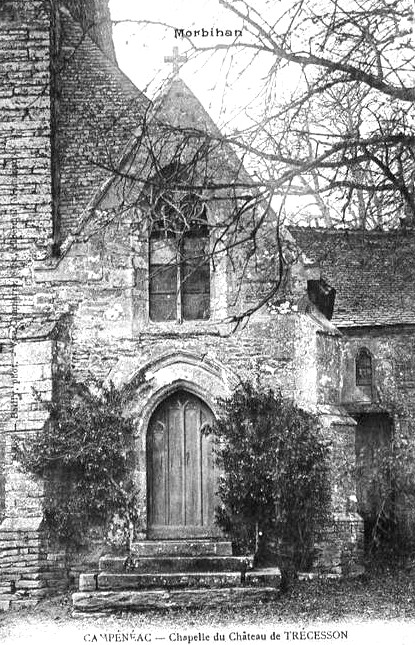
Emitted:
<point x="364" y="369"/>
<point x="179" y="266"/>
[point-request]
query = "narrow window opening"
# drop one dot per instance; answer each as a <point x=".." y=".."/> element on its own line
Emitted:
<point x="364" y="369"/>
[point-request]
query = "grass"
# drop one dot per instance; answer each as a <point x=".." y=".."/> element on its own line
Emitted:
<point x="384" y="596"/>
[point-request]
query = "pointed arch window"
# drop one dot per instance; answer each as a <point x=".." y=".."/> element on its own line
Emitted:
<point x="179" y="266"/>
<point x="364" y="368"/>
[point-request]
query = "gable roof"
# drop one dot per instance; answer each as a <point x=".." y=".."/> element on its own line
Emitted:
<point x="95" y="19"/>
<point x="98" y="110"/>
<point x="178" y="106"/>
<point x="373" y="273"/>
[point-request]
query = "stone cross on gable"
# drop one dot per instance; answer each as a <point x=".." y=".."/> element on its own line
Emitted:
<point x="176" y="59"/>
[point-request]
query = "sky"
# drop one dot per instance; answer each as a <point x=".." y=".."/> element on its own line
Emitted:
<point x="142" y="42"/>
<point x="229" y="84"/>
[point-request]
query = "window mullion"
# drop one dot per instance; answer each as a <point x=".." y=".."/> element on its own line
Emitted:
<point x="179" y="284"/>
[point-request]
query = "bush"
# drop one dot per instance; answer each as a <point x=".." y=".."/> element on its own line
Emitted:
<point x="387" y="481"/>
<point x="274" y="490"/>
<point x="84" y="453"/>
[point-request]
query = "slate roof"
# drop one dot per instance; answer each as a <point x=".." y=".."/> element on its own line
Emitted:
<point x="95" y="18"/>
<point x="99" y="110"/>
<point x="373" y="273"/>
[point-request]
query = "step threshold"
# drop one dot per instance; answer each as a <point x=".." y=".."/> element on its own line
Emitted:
<point x="163" y="564"/>
<point x="102" y="601"/>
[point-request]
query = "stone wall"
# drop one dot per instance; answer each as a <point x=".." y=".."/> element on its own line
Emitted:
<point x="76" y="113"/>
<point x="329" y="346"/>
<point x="25" y="232"/>
<point x="30" y="566"/>
<point x="392" y="396"/>
<point x="114" y="339"/>
<point x="372" y="273"/>
<point x="393" y="367"/>
<point x="25" y="183"/>
<point x="36" y="97"/>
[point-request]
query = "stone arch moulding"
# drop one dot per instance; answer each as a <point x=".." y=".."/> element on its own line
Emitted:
<point x="168" y="373"/>
<point x="199" y="374"/>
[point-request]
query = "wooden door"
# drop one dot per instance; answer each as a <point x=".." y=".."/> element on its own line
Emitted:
<point x="181" y="469"/>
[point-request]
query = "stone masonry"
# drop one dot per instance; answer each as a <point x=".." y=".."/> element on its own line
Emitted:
<point x="75" y="284"/>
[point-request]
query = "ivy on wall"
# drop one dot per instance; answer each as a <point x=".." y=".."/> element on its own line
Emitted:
<point x="85" y="455"/>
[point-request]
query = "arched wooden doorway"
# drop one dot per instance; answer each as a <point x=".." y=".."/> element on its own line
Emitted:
<point x="181" y="474"/>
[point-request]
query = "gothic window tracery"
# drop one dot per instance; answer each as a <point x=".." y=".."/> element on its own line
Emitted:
<point x="179" y="267"/>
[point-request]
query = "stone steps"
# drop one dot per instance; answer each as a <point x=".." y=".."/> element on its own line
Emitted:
<point x="160" y="575"/>
<point x="131" y="600"/>
<point x="170" y="564"/>
<point x="110" y="581"/>
<point x="138" y="581"/>
<point x="154" y="548"/>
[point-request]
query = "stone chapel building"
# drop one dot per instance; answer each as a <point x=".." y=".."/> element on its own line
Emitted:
<point x="86" y="287"/>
